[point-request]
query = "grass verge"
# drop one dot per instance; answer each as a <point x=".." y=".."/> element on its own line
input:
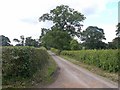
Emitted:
<point x="47" y="74"/>
<point x="98" y="71"/>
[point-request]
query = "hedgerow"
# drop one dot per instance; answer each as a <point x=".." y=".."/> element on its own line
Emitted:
<point x="104" y="59"/>
<point x="22" y="62"/>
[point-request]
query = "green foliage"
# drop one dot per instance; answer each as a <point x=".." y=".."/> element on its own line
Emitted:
<point x="65" y="19"/>
<point x="111" y="45"/>
<point x="93" y="37"/>
<point x="31" y="42"/>
<point x="115" y="44"/>
<point x="118" y="30"/>
<point x="28" y="41"/>
<point x="21" y="41"/>
<point x="4" y="41"/>
<point x="16" y="40"/>
<point x="43" y="48"/>
<point x="43" y="32"/>
<point x="74" y="45"/>
<point x="66" y="24"/>
<point x="105" y="59"/>
<point x="56" y="51"/>
<point x="56" y="39"/>
<point x="22" y="63"/>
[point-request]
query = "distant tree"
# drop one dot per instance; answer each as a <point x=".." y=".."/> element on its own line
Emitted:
<point x="31" y="42"/>
<point x="22" y="39"/>
<point x="93" y="37"/>
<point x="20" y="42"/>
<point x="28" y="41"/>
<point x="118" y="30"/>
<point x="16" y="40"/>
<point x="43" y="32"/>
<point x="117" y="39"/>
<point x="74" y="45"/>
<point x="4" y="41"/>
<point x="111" y="45"/>
<point x="57" y="39"/>
<point x="116" y="42"/>
<point x="36" y="43"/>
<point x="65" y="19"/>
<point x="101" y="45"/>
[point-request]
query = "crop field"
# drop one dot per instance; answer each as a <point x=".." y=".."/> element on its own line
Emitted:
<point x="104" y="59"/>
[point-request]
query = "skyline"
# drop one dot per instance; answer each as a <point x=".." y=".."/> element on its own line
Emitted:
<point x="20" y="17"/>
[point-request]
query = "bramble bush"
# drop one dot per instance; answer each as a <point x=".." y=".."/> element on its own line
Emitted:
<point x="105" y="59"/>
<point x="22" y="62"/>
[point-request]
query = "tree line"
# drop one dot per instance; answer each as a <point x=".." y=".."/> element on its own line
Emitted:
<point x="28" y="41"/>
<point x="67" y="24"/>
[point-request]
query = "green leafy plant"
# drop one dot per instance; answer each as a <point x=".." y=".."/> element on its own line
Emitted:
<point x="20" y="63"/>
<point x="104" y="59"/>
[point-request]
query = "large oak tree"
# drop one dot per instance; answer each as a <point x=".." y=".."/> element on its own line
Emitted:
<point x="65" y="18"/>
<point x="66" y="24"/>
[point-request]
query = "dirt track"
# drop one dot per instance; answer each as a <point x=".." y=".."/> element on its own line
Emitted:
<point x="73" y="76"/>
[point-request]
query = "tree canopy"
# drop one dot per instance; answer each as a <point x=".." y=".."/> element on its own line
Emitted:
<point x="116" y="42"/>
<point x="4" y="41"/>
<point x="65" y="18"/>
<point x="68" y="21"/>
<point x="57" y="39"/>
<point x="28" y="41"/>
<point x="21" y="41"/>
<point x="74" y="45"/>
<point x="66" y="25"/>
<point x="31" y="42"/>
<point x="118" y="30"/>
<point x="93" y="37"/>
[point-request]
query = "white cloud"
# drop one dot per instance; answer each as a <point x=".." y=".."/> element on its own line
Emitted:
<point x="20" y="17"/>
<point x="109" y="31"/>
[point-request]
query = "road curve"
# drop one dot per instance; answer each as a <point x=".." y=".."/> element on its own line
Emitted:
<point x="73" y="76"/>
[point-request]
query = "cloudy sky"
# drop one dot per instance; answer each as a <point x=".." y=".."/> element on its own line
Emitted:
<point x="20" y="17"/>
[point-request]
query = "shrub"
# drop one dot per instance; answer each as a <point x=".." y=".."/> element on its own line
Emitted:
<point x="22" y="62"/>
